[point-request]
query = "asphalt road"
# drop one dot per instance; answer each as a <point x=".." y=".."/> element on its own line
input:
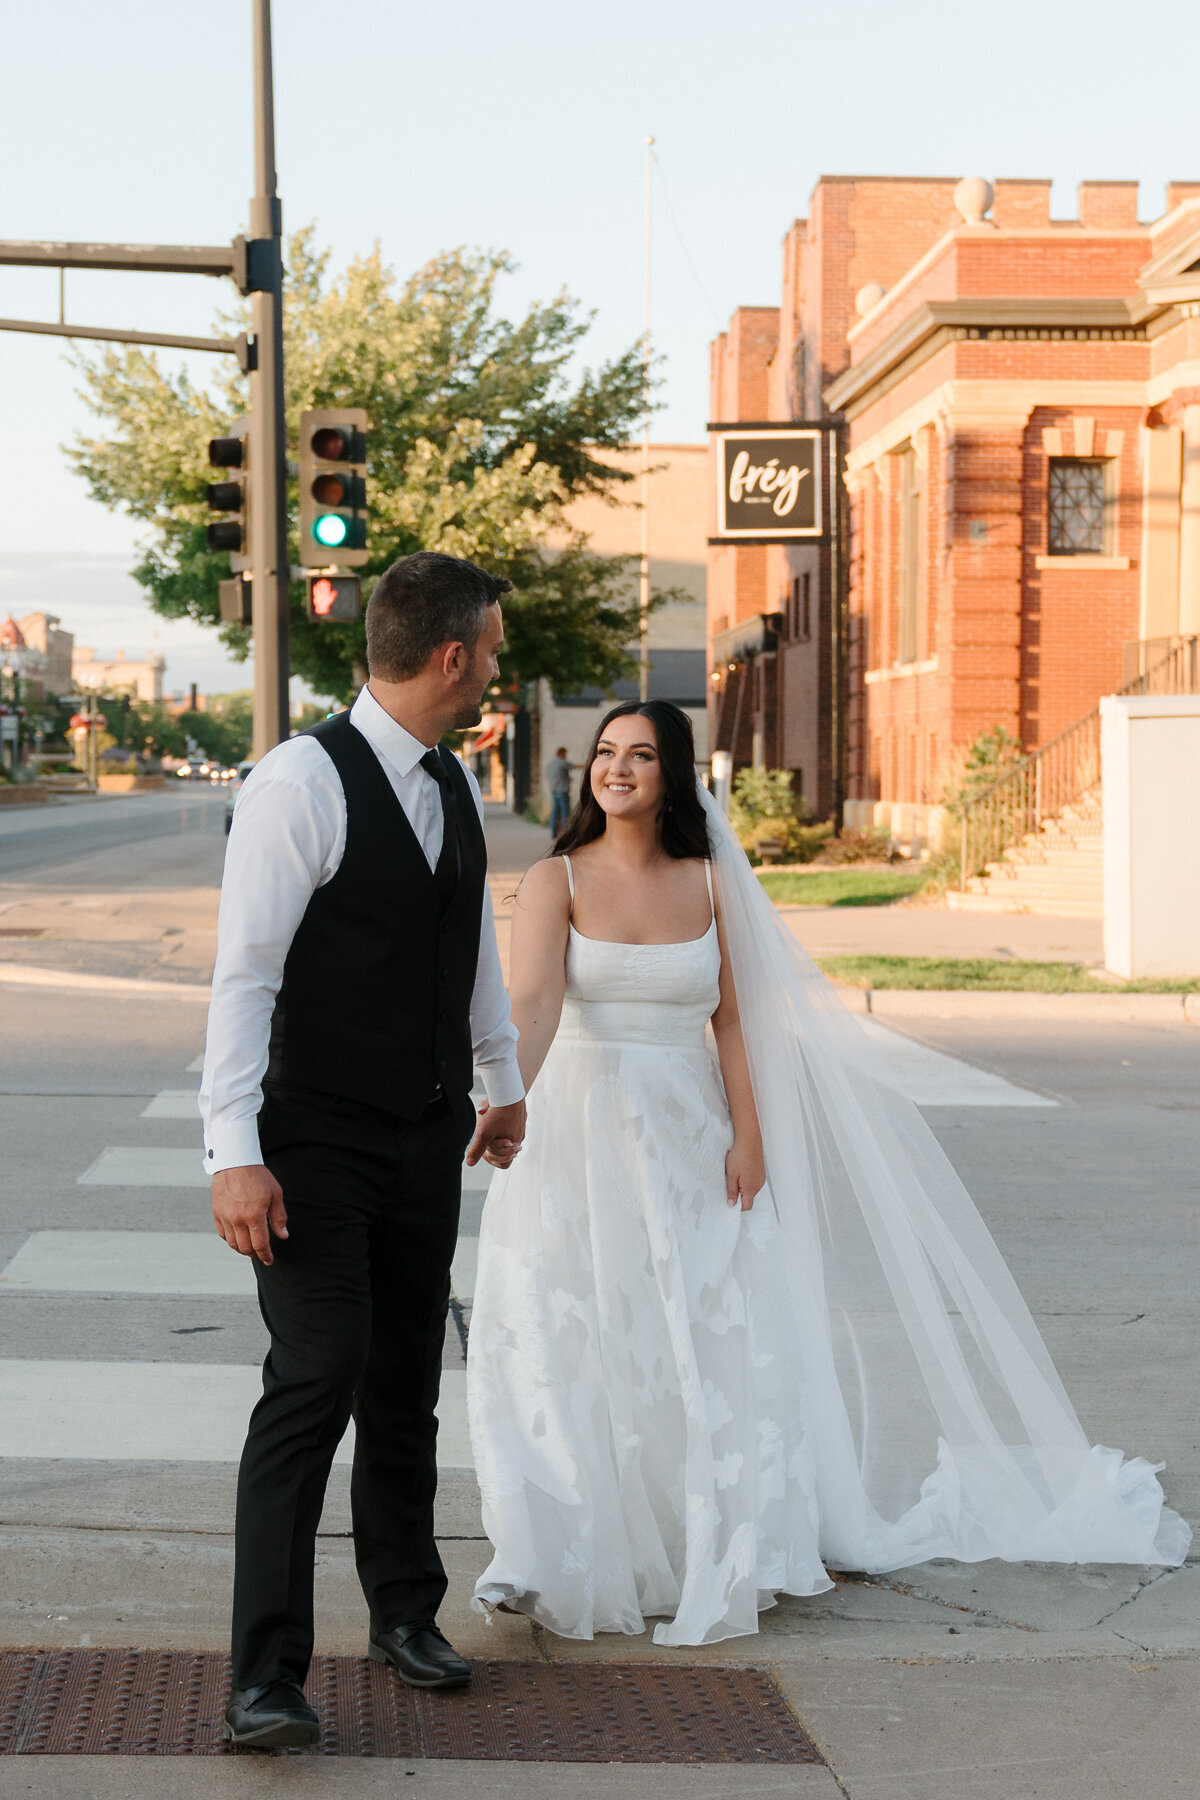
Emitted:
<point x="172" y="838"/>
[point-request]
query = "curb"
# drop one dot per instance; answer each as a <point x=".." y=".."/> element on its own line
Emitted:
<point x="21" y="975"/>
<point x="961" y="1003"/>
<point x="929" y="1003"/>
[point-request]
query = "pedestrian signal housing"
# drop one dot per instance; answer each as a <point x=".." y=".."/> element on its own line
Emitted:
<point x="336" y="597"/>
<point x="232" y="495"/>
<point x="333" y="489"/>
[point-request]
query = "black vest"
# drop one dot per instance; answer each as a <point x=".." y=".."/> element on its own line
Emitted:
<point x="376" y="994"/>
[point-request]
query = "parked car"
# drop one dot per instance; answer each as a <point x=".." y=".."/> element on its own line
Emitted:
<point x="233" y="788"/>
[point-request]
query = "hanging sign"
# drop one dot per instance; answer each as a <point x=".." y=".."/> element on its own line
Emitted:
<point x="768" y="483"/>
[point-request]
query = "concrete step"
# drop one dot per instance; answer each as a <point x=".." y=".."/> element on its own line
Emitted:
<point x="1016" y="903"/>
<point x="1053" y="856"/>
<point x="1051" y="873"/>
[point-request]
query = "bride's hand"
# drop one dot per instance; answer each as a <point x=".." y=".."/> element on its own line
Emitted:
<point x="745" y="1174"/>
<point x="492" y="1142"/>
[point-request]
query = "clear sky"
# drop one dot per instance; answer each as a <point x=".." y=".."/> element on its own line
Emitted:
<point x="516" y="124"/>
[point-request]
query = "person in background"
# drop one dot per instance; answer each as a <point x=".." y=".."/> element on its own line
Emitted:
<point x="558" y="780"/>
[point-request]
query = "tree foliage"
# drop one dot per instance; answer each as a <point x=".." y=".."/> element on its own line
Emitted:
<point x="478" y="441"/>
<point x="993" y="753"/>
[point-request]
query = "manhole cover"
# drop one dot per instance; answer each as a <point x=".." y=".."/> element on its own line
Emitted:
<point x="170" y="1703"/>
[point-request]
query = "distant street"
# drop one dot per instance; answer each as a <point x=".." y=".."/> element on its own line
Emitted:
<point x="173" y="837"/>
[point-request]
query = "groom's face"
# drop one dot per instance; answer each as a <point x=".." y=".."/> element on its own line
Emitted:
<point x="482" y="669"/>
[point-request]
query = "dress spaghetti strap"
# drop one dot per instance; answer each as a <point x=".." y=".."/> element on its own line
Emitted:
<point x="570" y="884"/>
<point x="708" y="877"/>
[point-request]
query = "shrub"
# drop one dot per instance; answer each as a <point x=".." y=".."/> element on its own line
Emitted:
<point x="856" y="847"/>
<point x="993" y="753"/>
<point x="759" y="796"/>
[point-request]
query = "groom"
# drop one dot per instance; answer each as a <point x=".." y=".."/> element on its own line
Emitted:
<point x="357" y="978"/>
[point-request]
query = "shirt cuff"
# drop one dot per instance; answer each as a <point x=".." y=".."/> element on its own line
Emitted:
<point x="502" y="1082"/>
<point x="232" y="1146"/>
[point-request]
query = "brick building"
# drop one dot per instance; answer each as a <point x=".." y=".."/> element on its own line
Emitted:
<point x="1019" y="402"/>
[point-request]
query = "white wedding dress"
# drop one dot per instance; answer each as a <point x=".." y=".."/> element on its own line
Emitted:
<point x="639" y="1438"/>
<point x="679" y="1410"/>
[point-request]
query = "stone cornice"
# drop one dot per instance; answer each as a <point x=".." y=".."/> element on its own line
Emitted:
<point x="936" y="323"/>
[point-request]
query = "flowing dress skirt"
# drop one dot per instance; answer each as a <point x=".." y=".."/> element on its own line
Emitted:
<point x="640" y="1440"/>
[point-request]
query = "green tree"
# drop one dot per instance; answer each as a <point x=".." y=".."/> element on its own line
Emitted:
<point x="478" y="442"/>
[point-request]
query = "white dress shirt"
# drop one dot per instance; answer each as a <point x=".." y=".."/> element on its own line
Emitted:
<point x="287" y="840"/>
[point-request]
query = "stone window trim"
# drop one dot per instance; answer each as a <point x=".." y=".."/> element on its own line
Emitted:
<point x="899" y="671"/>
<point x="1080" y="563"/>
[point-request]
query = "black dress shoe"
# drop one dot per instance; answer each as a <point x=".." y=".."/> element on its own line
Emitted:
<point x="273" y="1716"/>
<point x="420" y="1655"/>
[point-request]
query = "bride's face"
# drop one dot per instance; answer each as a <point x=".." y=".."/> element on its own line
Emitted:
<point x="626" y="774"/>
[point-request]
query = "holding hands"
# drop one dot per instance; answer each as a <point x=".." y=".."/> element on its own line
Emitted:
<point x="498" y="1135"/>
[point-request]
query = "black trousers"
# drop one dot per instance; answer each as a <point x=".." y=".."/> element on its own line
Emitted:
<point x="355" y="1302"/>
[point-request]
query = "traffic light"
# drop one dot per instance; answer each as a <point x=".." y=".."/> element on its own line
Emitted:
<point x="233" y="601"/>
<point x="333" y="596"/>
<point x="333" y="488"/>
<point x="231" y="495"/>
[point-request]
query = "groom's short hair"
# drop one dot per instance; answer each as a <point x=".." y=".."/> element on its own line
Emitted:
<point x="422" y="602"/>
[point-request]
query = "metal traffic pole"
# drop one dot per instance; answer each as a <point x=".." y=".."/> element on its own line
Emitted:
<point x="644" y="565"/>
<point x="269" y="572"/>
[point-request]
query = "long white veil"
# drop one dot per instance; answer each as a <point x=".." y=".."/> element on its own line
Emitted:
<point x="940" y="1425"/>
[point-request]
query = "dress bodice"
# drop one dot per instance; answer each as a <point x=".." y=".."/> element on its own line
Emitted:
<point x="641" y="993"/>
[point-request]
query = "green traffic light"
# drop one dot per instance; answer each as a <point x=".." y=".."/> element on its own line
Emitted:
<point x="331" y="530"/>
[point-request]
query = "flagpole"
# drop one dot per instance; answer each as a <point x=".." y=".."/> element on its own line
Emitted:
<point x="644" y="568"/>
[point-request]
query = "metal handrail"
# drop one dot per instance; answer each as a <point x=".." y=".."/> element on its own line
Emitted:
<point x="1061" y="773"/>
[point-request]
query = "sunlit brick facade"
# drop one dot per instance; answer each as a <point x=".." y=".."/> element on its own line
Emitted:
<point x="1020" y="402"/>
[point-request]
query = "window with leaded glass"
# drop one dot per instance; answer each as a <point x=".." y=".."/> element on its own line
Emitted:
<point x="1079" y="508"/>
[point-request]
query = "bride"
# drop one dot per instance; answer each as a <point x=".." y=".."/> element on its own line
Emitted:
<point x="736" y="1318"/>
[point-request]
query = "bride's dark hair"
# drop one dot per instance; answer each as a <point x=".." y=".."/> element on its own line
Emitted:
<point x="681" y="828"/>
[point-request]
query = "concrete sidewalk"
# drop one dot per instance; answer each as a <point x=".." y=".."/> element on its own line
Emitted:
<point x="922" y="928"/>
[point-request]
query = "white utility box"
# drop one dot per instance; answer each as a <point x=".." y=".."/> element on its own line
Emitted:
<point x="1150" y="758"/>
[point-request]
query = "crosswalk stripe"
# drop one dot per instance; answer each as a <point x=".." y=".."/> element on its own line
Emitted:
<point x="129" y="1262"/>
<point x="163" y="1412"/>
<point x="141" y="1166"/>
<point x="158" y="1262"/>
<point x="173" y="1103"/>
<point x="930" y="1078"/>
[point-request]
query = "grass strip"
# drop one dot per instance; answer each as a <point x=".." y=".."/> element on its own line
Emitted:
<point x="841" y="887"/>
<point x="987" y="975"/>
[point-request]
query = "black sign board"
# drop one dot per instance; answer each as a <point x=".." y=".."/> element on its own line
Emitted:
<point x="768" y="483"/>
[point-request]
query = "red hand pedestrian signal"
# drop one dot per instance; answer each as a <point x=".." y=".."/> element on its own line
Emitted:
<point x="336" y="597"/>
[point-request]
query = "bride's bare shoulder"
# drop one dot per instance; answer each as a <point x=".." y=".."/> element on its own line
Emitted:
<point x="544" y="886"/>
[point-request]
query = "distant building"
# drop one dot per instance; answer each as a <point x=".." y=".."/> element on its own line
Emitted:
<point x="44" y="634"/>
<point x="678" y="514"/>
<point x="21" y="663"/>
<point x="144" y="680"/>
